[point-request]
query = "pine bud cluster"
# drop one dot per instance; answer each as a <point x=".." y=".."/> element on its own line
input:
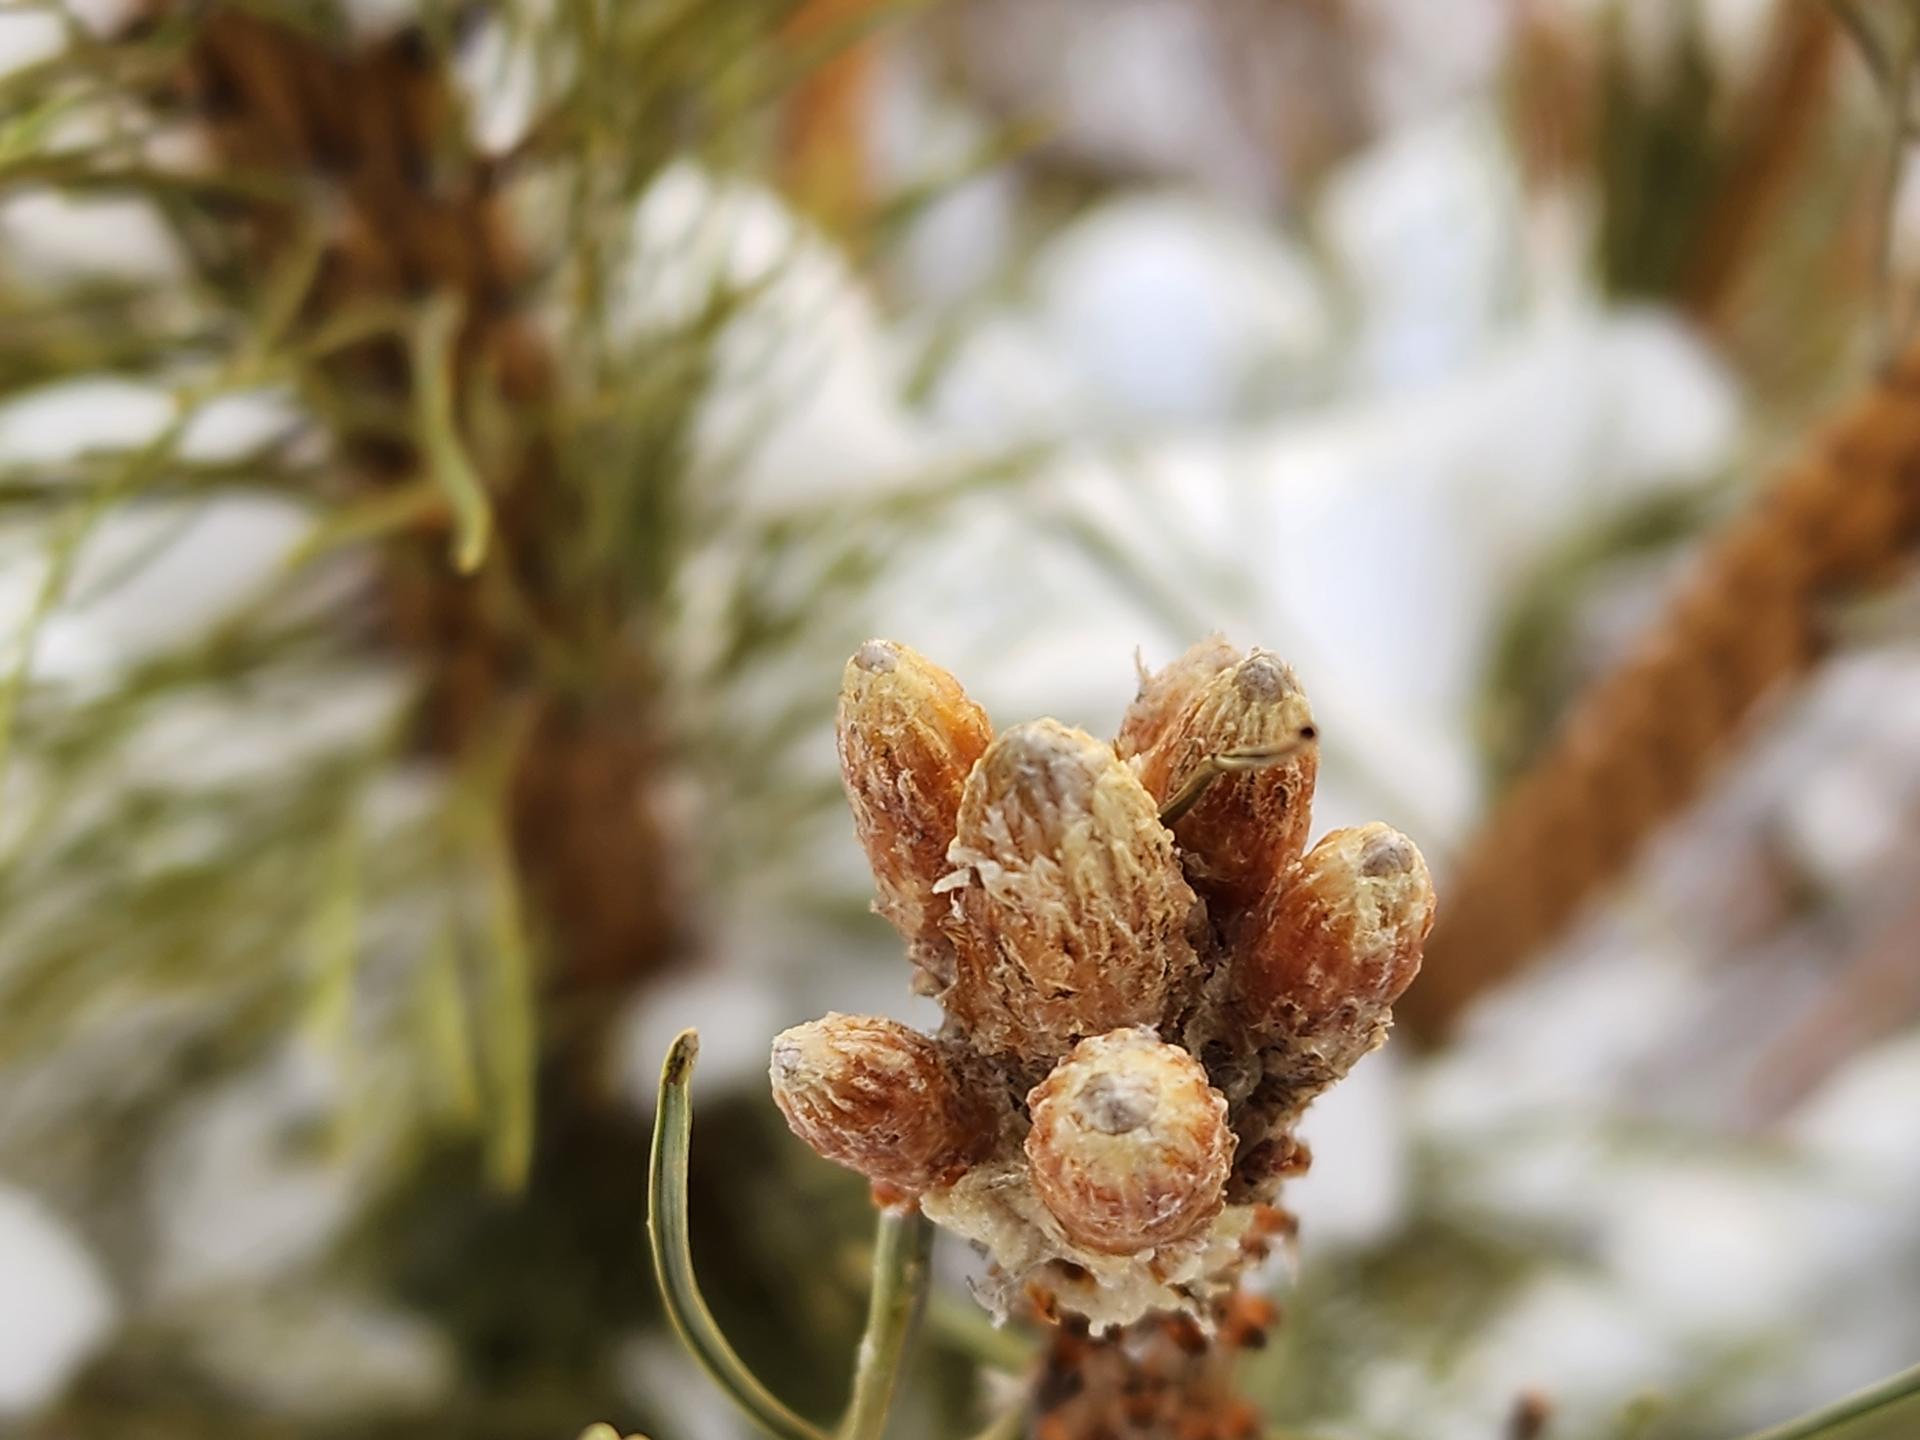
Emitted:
<point x="1146" y="973"/>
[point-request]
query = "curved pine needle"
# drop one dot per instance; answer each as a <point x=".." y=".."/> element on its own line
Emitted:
<point x="1229" y="762"/>
<point x="1887" y="1411"/>
<point x="673" y="1256"/>
<point x="440" y="443"/>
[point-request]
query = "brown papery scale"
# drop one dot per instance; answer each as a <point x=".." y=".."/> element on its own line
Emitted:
<point x="878" y="1098"/>
<point x="1071" y="912"/>
<point x="1335" y="946"/>
<point x="1247" y="827"/>
<point x="1130" y="1146"/>
<point x="908" y="736"/>
<point x="1167" y="694"/>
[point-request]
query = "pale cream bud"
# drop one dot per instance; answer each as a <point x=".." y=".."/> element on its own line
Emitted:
<point x="1073" y="914"/>
<point x="1129" y="1147"/>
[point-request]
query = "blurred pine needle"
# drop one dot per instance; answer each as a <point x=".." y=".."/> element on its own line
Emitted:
<point x="447" y="891"/>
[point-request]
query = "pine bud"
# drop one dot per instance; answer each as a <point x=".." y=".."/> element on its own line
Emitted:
<point x="908" y="737"/>
<point x="1247" y="827"/>
<point x="1072" y="911"/>
<point x="1130" y="1146"/>
<point x="1339" y="942"/>
<point x="879" y="1098"/>
<point x="1168" y="693"/>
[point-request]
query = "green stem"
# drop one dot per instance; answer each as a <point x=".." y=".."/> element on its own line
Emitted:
<point x="1895" y="1401"/>
<point x="901" y="1246"/>
<point x="673" y="1255"/>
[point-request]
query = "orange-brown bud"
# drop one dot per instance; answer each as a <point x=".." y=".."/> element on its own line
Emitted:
<point x="908" y="737"/>
<point x="1336" y="945"/>
<point x="1169" y="692"/>
<point x="879" y="1098"/>
<point x="1130" y="1146"/>
<point x="1073" y="913"/>
<point x="1246" y="827"/>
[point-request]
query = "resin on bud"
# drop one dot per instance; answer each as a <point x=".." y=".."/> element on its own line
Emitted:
<point x="878" y="1098"/>
<point x="1338" y="942"/>
<point x="1245" y="828"/>
<point x="1168" y="693"/>
<point x="1129" y="1147"/>
<point x="908" y="736"/>
<point x="1072" y="914"/>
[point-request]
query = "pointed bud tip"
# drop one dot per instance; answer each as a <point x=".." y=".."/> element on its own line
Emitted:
<point x="1263" y="678"/>
<point x="1042" y="763"/>
<point x="1246" y="826"/>
<point x="876" y="657"/>
<point x="908" y="737"/>
<point x="1165" y="694"/>
<point x="1342" y="935"/>
<point x="1387" y="852"/>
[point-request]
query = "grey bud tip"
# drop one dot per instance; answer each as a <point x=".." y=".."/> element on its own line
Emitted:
<point x="1387" y="855"/>
<point x="1264" y="677"/>
<point x="877" y="657"/>
<point x="1113" y="1105"/>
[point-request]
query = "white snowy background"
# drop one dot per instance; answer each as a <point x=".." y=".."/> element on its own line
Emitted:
<point x="1346" y="435"/>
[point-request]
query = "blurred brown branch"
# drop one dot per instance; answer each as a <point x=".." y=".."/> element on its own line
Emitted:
<point x="408" y="210"/>
<point x="824" y="140"/>
<point x="1643" y="739"/>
